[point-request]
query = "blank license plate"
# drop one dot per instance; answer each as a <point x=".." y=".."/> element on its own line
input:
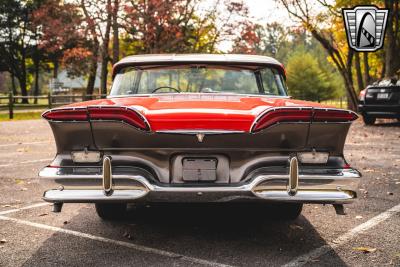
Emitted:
<point x="382" y="96"/>
<point x="199" y="169"/>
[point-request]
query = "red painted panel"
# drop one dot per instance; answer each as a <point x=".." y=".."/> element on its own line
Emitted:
<point x="200" y="111"/>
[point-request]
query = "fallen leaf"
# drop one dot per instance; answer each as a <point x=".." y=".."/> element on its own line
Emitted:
<point x="2" y="241"/>
<point x="295" y="226"/>
<point x="19" y="181"/>
<point x="43" y="214"/>
<point x="128" y="235"/>
<point x="365" y="249"/>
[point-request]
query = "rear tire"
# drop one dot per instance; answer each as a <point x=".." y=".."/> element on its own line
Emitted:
<point x="286" y="211"/>
<point x="111" y="211"/>
<point x="368" y="120"/>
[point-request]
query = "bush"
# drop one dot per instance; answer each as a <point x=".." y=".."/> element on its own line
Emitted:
<point x="307" y="80"/>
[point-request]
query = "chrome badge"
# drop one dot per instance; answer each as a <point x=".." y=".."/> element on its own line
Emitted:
<point x="200" y="137"/>
<point x="365" y="27"/>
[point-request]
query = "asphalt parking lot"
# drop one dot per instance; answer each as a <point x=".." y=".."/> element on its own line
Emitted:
<point x="170" y="235"/>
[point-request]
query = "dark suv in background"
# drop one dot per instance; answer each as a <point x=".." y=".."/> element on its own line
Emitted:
<point x="380" y="100"/>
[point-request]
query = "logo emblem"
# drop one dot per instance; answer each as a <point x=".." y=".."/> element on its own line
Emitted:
<point x="365" y="27"/>
<point x="200" y="137"/>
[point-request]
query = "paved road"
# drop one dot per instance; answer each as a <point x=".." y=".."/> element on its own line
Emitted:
<point x="31" y="235"/>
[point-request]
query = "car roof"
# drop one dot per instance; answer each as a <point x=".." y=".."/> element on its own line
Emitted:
<point x="153" y="59"/>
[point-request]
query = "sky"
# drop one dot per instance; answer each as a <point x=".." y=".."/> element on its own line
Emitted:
<point x="262" y="12"/>
<point x="267" y="11"/>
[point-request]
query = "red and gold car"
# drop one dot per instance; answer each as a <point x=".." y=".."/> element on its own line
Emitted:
<point x="199" y="128"/>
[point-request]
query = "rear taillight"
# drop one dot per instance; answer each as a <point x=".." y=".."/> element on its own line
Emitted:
<point x="293" y="115"/>
<point x="66" y="114"/>
<point x="282" y="115"/>
<point x="361" y="96"/>
<point x="124" y="114"/>
<point x="94" y="113"/>
<point x="322" y="115"/>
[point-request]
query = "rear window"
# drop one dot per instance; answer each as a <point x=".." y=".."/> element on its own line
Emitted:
<point x="199" y="79"/>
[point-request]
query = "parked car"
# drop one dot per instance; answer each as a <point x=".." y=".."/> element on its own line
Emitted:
<point x="199" y="128"/>
<point x="380" y="100"/>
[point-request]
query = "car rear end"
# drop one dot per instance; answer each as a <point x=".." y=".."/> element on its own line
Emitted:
<point x="112" y="155"/>
<point x="224" y="131"/>
<point x="380" y="101"/>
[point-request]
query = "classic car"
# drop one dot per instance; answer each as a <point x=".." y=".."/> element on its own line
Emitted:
<point x="380" y="100"/>
<point x="199" y="128"/>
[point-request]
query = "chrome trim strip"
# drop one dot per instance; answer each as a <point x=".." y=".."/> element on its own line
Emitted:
<point x="194" y="132"/>
<point x="219" y="94"/>
<point x="83" y="196"/>
<point x="308" y="196"/>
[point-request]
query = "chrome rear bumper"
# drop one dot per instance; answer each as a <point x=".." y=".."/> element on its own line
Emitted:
<point x="337" y="188"/>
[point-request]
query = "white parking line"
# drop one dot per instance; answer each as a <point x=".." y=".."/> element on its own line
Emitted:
<point x="105" y="240"/>
<point x="24" y="162"/>
<point x="41" y="204"/>
<point x="318" y="252"/>
<point x="28" y="143"/>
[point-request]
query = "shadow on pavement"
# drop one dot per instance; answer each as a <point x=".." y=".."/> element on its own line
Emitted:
<point x="240" y="235"/>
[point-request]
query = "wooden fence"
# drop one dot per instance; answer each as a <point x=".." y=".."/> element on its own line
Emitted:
<point x="12" y="102"/>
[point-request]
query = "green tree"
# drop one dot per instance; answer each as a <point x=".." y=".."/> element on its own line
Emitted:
<point x="307" y="80"/>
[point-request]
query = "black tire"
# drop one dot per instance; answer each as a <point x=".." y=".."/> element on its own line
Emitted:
<point x="111" y="211"/>
<point x="368" y="120"/>
<point x="286" y="211"/>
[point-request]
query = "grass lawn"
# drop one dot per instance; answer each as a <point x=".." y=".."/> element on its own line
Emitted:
<point x="31" y="115"/>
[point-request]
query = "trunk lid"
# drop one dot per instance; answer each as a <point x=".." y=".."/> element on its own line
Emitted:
<point x="169" y="112"/>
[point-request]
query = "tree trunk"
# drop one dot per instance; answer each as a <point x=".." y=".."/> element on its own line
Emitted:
<point x="13" y="85"/>
<point x="367" y="78"/>
<point x="390" y="40"/>
<point x="104" y="51"/>
<point x="22" y="79"/>
<point x="36" y="88"/>
<point x="115" y="27"/>
<point x="92" y="70"/>
<point x="357" y="63"/>
<point x="55" y="69"/>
